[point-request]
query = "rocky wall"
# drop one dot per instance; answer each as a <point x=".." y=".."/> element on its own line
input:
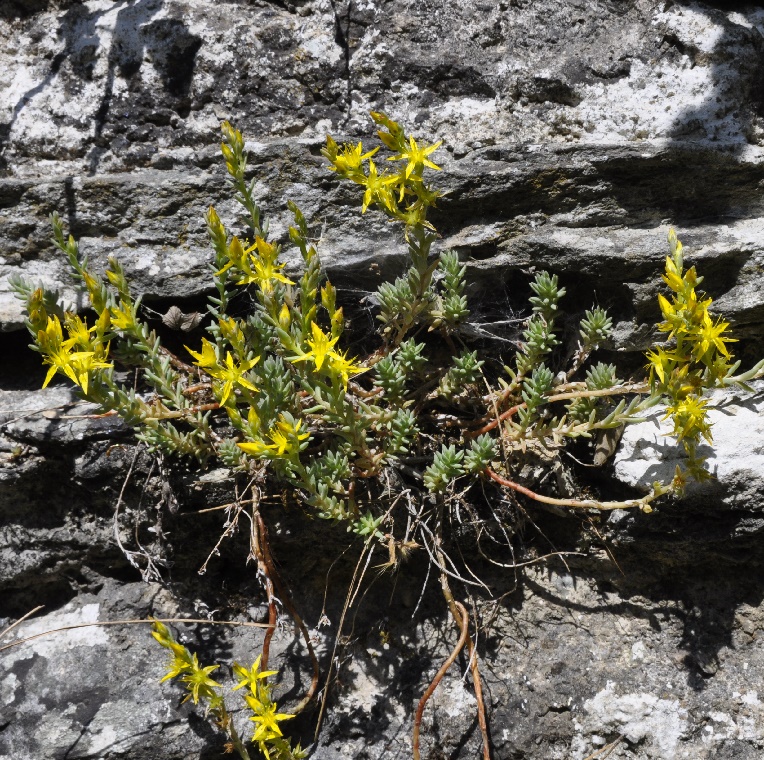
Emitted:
<point x="575" y="134"/>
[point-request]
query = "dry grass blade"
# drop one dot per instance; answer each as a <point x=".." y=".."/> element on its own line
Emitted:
<point x="20" y="620"/>
<point x="608" y="749"/>
<point x="127" y="622"/>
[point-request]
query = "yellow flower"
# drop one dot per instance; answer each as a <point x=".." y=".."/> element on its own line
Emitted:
<point x="673" y="277"/>
<point x="181" y="661"/>
<point x="252" y="676"/>
<point x="689" y="416"/>
<point x="661" y="363"/>
<point x="344" y="367"/>
<point x="95" y="291"/>
<point x="76" y="365"/>
<point x="232" y="374"/>
<point x="229" y="373"/>
<point x="425" y="195"/>
<point x="668" y="309"/>
<point x="285" y="437"/>
<point x="236" y="256"/>
<point x="261" y="268"/>
<point x="416" y="157"/>
<point x="232" y="332"/>
<point x="266" y="268"/>
<point x="207" y="357"/>
<point x="122" y="319"/>
<point x="199" y="681"/>
<point x="79" y="332"/>
<point x="322" y="354"/>
<point x="320" y="347"/>
<point x="414" y="215"/>
<point x="710" y="335"/>
<point x="349" y="160"/>
<point x="267" y="720"/>
<point x="376" y="186"/>
<point x="256" y="449"/>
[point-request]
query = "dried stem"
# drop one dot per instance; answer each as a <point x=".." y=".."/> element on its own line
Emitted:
<point x="191" y="389"/>
<point x="464" y="625"/>
<point x="642" y="503"/>
<point x="128" y="622"/>
<point x="170" y="415"/>
<point x="459" y="614"/>
<point x="259" y="538"/>
<point x="179" y="363"/>
<point x="287" y="602"/>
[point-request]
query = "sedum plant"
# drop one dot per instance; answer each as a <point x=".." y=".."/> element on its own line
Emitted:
<point x="276" y="391"/>
<point x="202" y="689"/>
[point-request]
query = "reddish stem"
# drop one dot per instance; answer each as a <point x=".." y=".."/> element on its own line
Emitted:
<point x="287" y="602"/>
<point x="574" y="503"/>
<point x="478" y="684"/>
<point x="198" y="387"/>
<point x="438" y="677"/>
<point x="495" y="421"/>
<point x="259" y="541"/>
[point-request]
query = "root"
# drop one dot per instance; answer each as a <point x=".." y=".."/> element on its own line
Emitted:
<point x="259" y="541"/>
<point x="464" y="625"/>
<point x="459" y="614"/>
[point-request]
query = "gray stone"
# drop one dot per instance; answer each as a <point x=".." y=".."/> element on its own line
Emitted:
<point x="735" y="458"/>
<point x="575" y="134"/>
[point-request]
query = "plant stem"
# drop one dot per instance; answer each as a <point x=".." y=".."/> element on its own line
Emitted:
<point x="439" y="676"/>
<point x="577" y="503"/>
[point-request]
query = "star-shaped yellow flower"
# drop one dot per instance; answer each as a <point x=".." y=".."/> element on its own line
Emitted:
<point x="267" y="719"/>
<point x="286" y="437"/>
<point x="229" y="373"/>
<point x="416" y="157"/>
<point x="199" y="681"/>
<point x="249" y="678"/>
<point x="320" y="347"/>
<point x="710" y="335"/>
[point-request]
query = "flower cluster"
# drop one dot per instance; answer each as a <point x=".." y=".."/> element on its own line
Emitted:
<point x="203" y="689"/>
<point x="268" y="736"/>
<point x="80" y="355"/>
<point x="403" y="195"/>
<point x="185" y="665"/>
<point x="699" y="357"/>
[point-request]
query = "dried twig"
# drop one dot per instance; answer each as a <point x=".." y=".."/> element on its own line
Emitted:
<point x="608" y="748"/>
<point x="287" y="602"/>
<point x="574" y="503"/>
<point x="127" y="622"/>
<point x="464" y="625"/>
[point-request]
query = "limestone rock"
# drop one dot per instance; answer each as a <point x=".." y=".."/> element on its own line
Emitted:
<point x="575" y="134"/>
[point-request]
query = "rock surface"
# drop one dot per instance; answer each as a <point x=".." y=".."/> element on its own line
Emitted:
<point x="575" y="134"/>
